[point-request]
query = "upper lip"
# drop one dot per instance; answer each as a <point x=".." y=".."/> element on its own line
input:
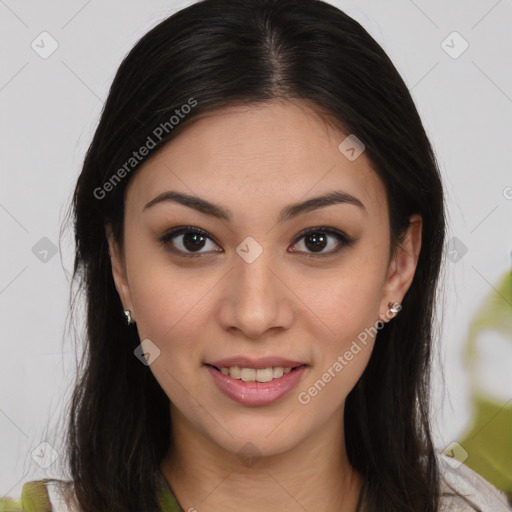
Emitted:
<point x="263" y="362"/>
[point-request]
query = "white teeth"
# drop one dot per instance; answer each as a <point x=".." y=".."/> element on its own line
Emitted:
<point x="234" y="372"/>
<point x="277" y="372"/>
<point x="253" y="374"/>
<point x="264" y="374"/>
<point x="248" y="374"/>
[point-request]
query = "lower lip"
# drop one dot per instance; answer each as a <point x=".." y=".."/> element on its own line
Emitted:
<point x="256" y="393"/>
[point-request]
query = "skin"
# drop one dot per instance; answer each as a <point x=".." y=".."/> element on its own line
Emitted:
<point x="255" y="160"/>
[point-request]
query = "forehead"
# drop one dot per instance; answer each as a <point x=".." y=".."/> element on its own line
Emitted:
<point x="275" y="152"/>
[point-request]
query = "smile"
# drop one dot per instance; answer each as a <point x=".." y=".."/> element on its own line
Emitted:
<point x="255" y="374"/>
<point x="256" y="387"/>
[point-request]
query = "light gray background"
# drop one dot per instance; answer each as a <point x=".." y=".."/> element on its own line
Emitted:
<point x="50" y="108"/>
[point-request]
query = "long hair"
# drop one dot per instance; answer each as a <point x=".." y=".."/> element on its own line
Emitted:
<point x="217" y="53"/>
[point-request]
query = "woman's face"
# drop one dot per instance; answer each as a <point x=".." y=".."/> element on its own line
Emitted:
<point x="252" y="284"/>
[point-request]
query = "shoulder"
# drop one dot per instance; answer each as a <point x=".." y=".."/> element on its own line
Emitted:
<point x="477" y="491"/>
<point x="48" y="495"/>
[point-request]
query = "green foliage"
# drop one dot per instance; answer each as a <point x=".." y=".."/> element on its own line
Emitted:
<point x="10" y="505"/>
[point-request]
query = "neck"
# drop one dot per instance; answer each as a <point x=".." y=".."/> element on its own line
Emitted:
<point x="314" y="475"/>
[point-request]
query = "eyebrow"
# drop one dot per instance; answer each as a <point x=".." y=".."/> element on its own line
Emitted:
<point x="287" y="213"/>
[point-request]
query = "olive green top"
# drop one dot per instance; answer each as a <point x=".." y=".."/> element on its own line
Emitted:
<point x="35" y="497"/>
<point x="166" y="497"/>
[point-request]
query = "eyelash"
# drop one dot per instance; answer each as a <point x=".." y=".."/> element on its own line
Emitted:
<point x="343" y="239"/>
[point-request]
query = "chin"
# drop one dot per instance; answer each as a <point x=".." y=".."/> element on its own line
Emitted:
<point x="255" y="442"/>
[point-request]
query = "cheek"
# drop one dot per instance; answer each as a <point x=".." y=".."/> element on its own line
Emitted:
<point x="346" y="300"/>
<point x="340" y="359"/>
<point x="348" y="306"/>
<point x="169" y="301"/>
<point x="170" y="307"/>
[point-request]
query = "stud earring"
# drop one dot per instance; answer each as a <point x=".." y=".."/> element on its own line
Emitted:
<point x="128" y="317"/>
<point x="394" y="307"/>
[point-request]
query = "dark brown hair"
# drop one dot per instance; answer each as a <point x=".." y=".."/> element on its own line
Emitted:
<point x="226" y="52"/>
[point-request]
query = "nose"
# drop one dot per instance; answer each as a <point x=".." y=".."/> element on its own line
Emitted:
<point x="255" y="298"/>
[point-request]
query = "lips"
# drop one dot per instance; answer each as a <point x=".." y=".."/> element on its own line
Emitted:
<point x="256" y="381"/>
<point x="257" y="393"/>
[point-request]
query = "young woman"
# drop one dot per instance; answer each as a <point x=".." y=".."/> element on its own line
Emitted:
<point x="259" y="228"/>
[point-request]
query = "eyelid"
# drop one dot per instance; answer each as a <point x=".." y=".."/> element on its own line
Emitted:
<point x="343" y="239"/>
<point x="322" y="229"/>
<point x="165" y="240"/>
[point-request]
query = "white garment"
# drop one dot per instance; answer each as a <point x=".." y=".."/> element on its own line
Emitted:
<point x="473" y="486"/>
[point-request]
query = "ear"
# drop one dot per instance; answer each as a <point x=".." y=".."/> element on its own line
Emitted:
<point x="119" y="271"/>
<point x="402" y="266"/>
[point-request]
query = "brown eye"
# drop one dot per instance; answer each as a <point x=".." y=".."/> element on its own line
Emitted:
<point x="316" y="240"/>
<point x="193" y="240"/>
